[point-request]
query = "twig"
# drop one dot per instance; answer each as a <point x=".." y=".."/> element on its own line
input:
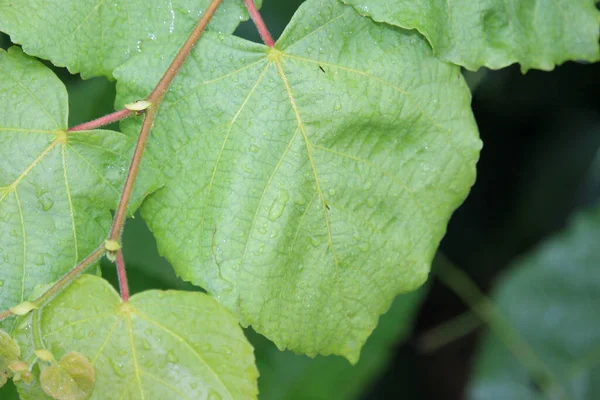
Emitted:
<point x="66" y="280"/>
<point x="259" y="23"/>
<point x="122" y="274"/>
<point x="155" y="99"/>
<point x="107" y="119"/>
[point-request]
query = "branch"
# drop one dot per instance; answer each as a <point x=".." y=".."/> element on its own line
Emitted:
<point x="155" y="99"/>
<point x="65" y="281"/>
<point x="460" y="283"/>
<point x="107" y="119"/>
<point x="122" y="274"/>
<point x="259" y="23"/>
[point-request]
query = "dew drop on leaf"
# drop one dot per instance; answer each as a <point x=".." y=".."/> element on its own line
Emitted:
<point x="278" y="205"/>
<point x="171" y="357"/>
<point x="212" y="395"/>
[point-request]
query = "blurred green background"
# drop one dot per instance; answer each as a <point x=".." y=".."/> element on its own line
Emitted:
<point x="528" y="237"/>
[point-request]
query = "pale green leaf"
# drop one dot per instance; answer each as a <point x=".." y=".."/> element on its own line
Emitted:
<point x="309" y="184"/>
<point x="284" y="375"/>
<point x="93" y="37"/>
<point x="550" y="298"/>
<point x="9" y="352"/>
<point x="56" y="188"/>
<point x="495" y="33"/>
<point x="159" y="345"/>
<point x="71" y="378"/>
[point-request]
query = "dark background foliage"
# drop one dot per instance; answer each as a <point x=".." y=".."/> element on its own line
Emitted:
<point x="541" y="135"/>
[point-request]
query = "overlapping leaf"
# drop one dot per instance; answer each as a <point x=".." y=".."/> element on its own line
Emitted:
<point x="496" y="33"/>
<point x="95" y="36"/>
<point x="551" y="299"/>
<point x="56" y="188"/>
<point x="159" y="345"/>
<point x="311" y="183"/>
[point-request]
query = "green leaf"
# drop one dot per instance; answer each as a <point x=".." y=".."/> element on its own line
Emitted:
<point x="94" y="37"/>
<point x="72" y="378"/>
<point x="550" y="299"/>
<point x="284" y="375"/>
<point x="9" y="352"/>
<point x="56" y="188"/>
<point x="497" y="33"/>
<point x="309" y="184"/>
<point x="159" y="345"/>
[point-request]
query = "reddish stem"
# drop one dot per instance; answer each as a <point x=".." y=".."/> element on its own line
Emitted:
<point x="122" y="274"/>
<point x="107" y="119"/>
<point x="259" y="23"/>
<point x="155" y="99"/>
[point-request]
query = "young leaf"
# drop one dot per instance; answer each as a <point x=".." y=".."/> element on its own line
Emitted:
<point x="56" y="188"/>
<point x="159" y="345"/>
<point x="93" y="37"/>
<point x="551" y="300"/>
<point x="71" y="378"/>
<point x="9" y="352"/>
<point x="304" y="200"/>
<point x="497" y="33"/>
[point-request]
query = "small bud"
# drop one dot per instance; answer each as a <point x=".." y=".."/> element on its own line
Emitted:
<point x="139" y="105"/>
<point x="44" y="355"/>
<point x="112" y="245"/>
<point x="18" y="366"/>
<point x="23" y="308"/>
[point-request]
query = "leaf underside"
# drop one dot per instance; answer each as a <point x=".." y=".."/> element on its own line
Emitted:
<point x="537" y="34"/>
<point x="159" y="345"/>
<point x="56" y="188"/>
<point x="308" y="184"/>
<point x="550" y="298"/>
<point x="93" y="37"/>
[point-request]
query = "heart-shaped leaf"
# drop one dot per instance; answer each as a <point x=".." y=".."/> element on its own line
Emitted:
<point x="56" y="187"/>
<point x="311" y="183"/>
<point x="71" y="378"/>
<point x="159" y="345"/>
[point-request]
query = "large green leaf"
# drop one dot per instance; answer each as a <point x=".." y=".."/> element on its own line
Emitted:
<point x="95" y="36"/>
<point x="159" y="345"/>
<point x="551" y="299"/>
<point x="496" y="33"/>
<point x="311" y="183"/>
<point x="284" y="375"/>
<point x="56" y="188"/>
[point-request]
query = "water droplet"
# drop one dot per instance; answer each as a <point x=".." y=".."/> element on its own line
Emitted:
<point x="117" y="367"/>
<point x="314" y="241"/>
<point x="39" y="259"/>
<point x="172" y="357"/>
<point x="253" y="148"/>
<point x="331" y="192"/>
<point x="213" y="395"/>
<point x="262" y="230"/>
<point x="14" y="233"/>
<point x="1" y="282"/>
<point x="364" y="247"/>
<point x="371" y="201"/>
<point x="278" y="205"/>
<point x="6" y="217"/>
<point x="337" y="106"/>
<point x="45" y="201"/>
<point x="145" y="344"/>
